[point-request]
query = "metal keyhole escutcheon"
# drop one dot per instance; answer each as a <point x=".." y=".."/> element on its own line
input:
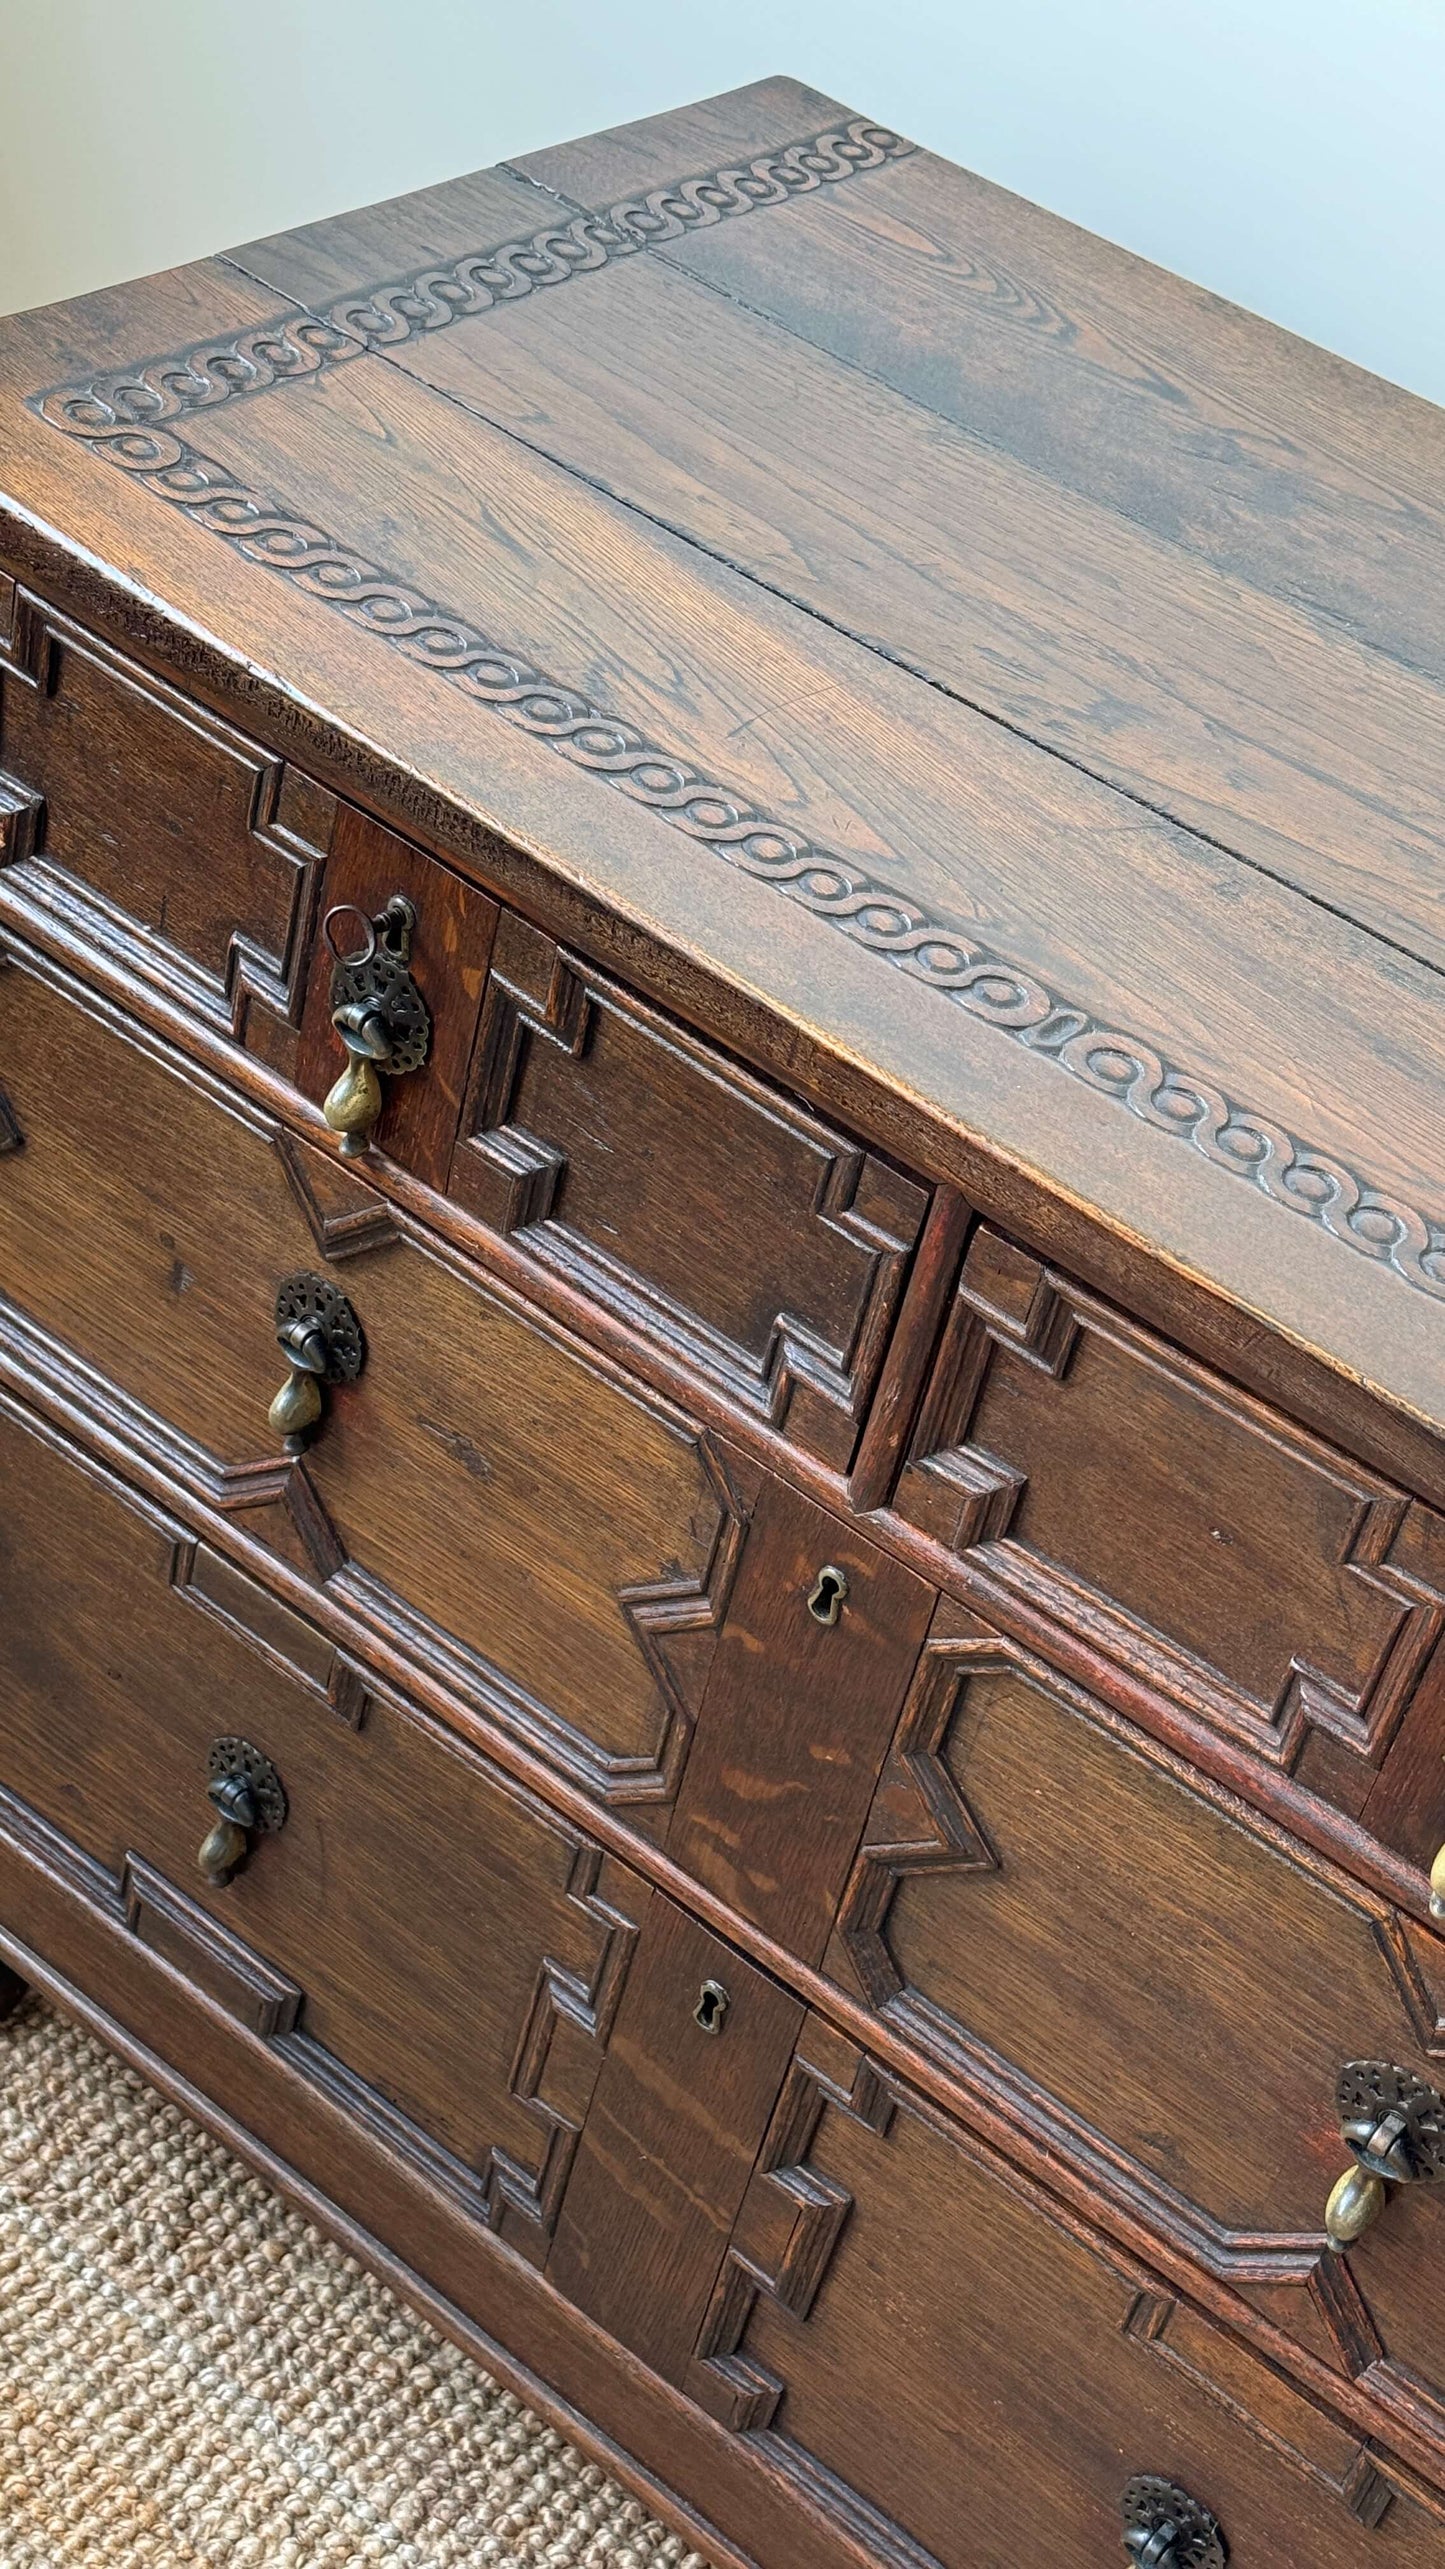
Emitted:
<point x="828" y="1595"/>
<point x="712" y="2007"/>
<point x="379" y="1014"/>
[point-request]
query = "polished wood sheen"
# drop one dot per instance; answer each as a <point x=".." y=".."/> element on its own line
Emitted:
<point x="671" y="2140"/>
<point x="797" y="1716"/>
<point x="152" y="1227"/>
<point x="1273" y="1584"/>
<point x="157" y="824"/>
<point x="1185" y="1986"/>
<point x="660" y="1177"/>
<point x="451" y="946"/>
<point x="1056" y="2356"/>
<point x="406" y="1890"/>
<point x="843" y="1672"/>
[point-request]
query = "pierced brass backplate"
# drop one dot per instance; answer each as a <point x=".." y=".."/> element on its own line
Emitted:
<point x="320" y="1337"/>
<point x="1164" y="2528"/>
<point x="379" y="1014"/>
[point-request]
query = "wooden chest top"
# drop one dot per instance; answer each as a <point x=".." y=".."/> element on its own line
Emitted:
<point x="979" y="678"/>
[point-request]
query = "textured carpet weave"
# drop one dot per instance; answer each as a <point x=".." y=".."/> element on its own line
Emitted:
<point x="192" y="2378"/>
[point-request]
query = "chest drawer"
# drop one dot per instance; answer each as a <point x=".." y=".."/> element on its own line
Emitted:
<point x="166" y="835"/>
<point x="746" y="1237"/>
<point x="431" y="1948"/>
<point x="755" y="1243"/>
<point x="485" y="1496"/>
<point x="1051" y="1906"/>
<point x="177" y="852"/>
<point x="559" y="1548"/>
<point x="956" y="2373"/>
<point x="1150" y="1511"/>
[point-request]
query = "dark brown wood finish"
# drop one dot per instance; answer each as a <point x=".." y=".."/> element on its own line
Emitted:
<point x="797" y="1718"/>
<point x="820" y="439"/>
<point x="670" y="1187"/>
<point x="485" y="1492"/>
<point x="467" y="2280"/>
<point x="879" y="2258"/>
<point x="672" y="2139"/>
<point x="408" y="1891"/>
<point x="164" y="835"/>
<point x="1232" y="1114"/>
<point x="1180" y="1529"/>
<point x="1181" y="1982"/>
<point x="859" y="1680"/>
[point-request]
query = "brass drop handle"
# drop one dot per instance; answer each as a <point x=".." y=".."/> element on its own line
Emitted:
<point x="228" y="1842"/>
<point x="247" y="1796"/>
<point x="1395" y="2126"/>
<point x="320" y="1337"/>
<point x="1437" y="1886"/>
<point x="378" y="1013"/>
<point x="1164" y="2528"/>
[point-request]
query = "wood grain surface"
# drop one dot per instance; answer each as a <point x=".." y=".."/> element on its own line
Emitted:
<point x="1067" y="2370"/>
<point x="917" y="745"/>
<point x="1086" y="637"/>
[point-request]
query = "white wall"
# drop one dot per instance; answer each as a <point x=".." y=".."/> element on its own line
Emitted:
<point x="1289" y="153"/>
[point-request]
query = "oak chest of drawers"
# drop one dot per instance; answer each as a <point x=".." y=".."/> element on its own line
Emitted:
<point x="722" y="1324"/>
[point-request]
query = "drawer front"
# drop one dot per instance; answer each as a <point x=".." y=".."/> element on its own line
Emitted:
<point x="1049" y="1905"/>
<point x="757" y="1245"/>
<point x="162" y="834"/>
<point x="956" y="2373"/>
<point x="485" y="1495"/>
<point x="184" y="855"/>
<point x="429" y="1946"/>
<point x="1178" y="1526"/>
<point x="747" y="1238"/>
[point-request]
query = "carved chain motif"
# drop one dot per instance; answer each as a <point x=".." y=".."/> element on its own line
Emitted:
<point x="293" y="344"/>
<point x="388" y="314"/>
<point x="122" y="418"/>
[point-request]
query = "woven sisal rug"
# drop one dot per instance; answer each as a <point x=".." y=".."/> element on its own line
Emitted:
<point x="192" y="2378"/>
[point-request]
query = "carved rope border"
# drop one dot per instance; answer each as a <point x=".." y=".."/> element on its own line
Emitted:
<point x="121" y="419"/>
<point x="292" y="344"/>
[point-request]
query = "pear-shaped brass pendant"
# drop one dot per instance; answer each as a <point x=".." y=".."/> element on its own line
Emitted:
<point x="296" y="1407"/>
<point x="248" y="1799"/>
<point x="1395" y="2126"/>
<point x="1357" y="2200"/>
<point x="353" y="1104"/>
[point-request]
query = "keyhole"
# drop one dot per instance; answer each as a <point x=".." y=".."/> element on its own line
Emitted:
<point x="825" y="1600"/>
<point x="712" y="2006"/>
<point x="397" y="926"/>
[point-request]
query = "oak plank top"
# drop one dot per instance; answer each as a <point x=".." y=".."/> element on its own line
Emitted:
<point x="991" y="667"/>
